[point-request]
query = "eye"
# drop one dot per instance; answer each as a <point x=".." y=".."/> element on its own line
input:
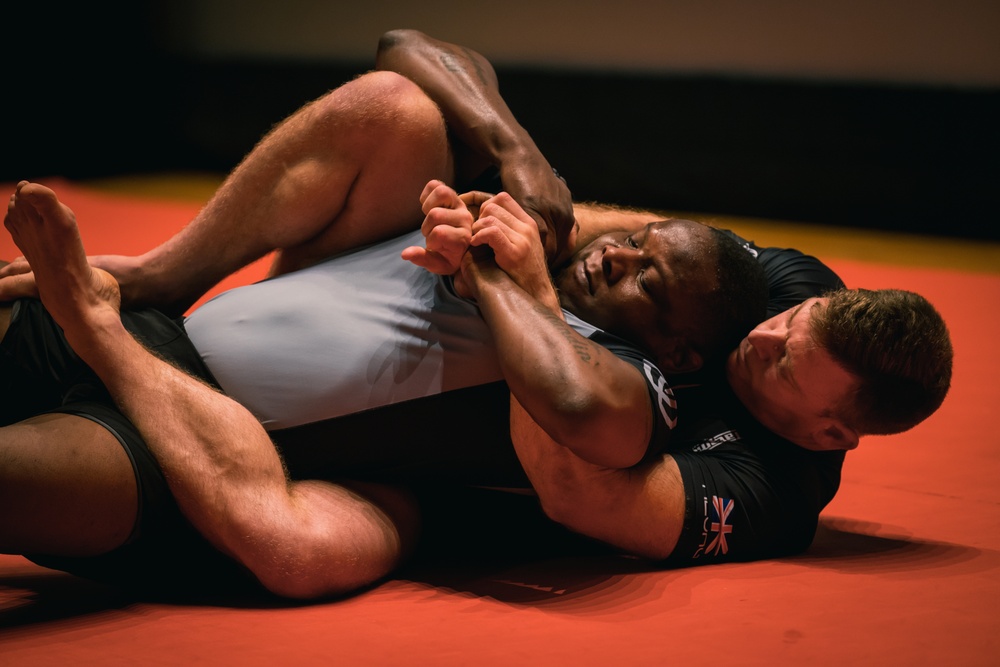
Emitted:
<point x="630" y="241"/>
<point x="642" y="281"/>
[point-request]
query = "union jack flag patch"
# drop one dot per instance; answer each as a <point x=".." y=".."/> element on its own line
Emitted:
<point x="721" y="509"/>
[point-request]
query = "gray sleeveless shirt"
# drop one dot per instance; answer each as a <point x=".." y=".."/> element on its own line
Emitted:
<point x="359" y="331"/>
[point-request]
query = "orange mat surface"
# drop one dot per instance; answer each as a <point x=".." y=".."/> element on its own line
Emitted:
<point x="905" y="568"/>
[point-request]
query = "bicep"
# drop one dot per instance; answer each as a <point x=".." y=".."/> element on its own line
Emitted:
<point x="644" y="512"/>
<point x="640" y="509"/>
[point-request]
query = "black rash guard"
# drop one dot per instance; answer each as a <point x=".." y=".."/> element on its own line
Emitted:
<point x="749" y="493"/>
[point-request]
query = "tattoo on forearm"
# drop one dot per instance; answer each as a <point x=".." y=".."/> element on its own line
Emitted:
<point x="585" y="350"/>
<point x="450" y="63"/>
<point x="460" y="62"/>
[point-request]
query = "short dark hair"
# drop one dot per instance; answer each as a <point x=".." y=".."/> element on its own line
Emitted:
<point x="898" y="347"/>
<point x="736" y="305"/>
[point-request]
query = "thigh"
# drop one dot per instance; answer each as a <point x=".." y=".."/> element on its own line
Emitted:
<point x="67" y="487"/>
<point x="383" y="140"/>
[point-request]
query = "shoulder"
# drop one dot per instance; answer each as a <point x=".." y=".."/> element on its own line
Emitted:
<point x="762" y="494"/>
<point x="792" y="276"/>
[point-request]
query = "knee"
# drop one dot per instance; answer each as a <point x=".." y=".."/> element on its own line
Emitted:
<point x="395" y="91"/>
<point x="389" y="86"/>
<point x="375" y="529"/>
<point x="385" y="102"/>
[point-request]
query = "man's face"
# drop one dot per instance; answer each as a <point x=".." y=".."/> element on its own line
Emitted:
<point x="643" y="286"/>
<point x="785" y="379"/>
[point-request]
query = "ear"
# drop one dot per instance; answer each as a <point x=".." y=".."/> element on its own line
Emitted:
<point x="675" y="356"/>
<point x="833" y="434"/>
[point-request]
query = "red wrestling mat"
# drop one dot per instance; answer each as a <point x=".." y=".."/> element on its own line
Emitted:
<point x="904" y="569"/>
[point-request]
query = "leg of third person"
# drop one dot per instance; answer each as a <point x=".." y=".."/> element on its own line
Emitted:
<point x="343" y="171"/>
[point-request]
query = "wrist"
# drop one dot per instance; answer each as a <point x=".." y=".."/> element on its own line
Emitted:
<point x="518" y="151"/>
<point x="491" y="279"/>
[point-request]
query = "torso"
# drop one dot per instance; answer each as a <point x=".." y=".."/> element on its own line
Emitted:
<point x="367" y="366"/>
<point x="357" y="332"/>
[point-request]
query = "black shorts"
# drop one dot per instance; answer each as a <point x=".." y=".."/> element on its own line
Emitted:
<point x="40" y="373"/>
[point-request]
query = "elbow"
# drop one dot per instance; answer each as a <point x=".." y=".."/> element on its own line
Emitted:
<point x="568" y="497"/>
<point x="571" y="414"/>
<point x="596" y="431"/>
<point x="393" y="42"/>
<point x="562" y="510"/>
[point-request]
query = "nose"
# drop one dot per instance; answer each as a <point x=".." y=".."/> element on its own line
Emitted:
<point x="768" y="341"/>
<point x="616" y="261"/>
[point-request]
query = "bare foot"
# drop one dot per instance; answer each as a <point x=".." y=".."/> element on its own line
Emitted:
<point x="45" y="230"/>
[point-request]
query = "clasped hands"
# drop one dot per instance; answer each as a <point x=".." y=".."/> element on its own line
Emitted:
<point x="474" y="235"/>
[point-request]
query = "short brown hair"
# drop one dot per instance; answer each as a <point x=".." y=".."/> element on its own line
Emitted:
<point x="898" y="347"/>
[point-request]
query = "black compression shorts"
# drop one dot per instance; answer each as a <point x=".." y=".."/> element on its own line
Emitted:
<point x="40" y="373"/>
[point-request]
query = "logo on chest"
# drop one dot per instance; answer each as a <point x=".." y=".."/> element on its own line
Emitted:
<point x="665" y="400"/>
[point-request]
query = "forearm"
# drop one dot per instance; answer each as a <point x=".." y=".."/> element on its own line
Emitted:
<point x="464" y="86"/>
<point x="598" y="219"/>
<point x="579" y="393"/>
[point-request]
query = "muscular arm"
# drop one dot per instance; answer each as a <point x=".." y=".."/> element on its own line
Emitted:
<point x="638" y="509"/>
<point x="577" y="391"/>
<point x="580" y="417"/>
<point x="464" y="85"/>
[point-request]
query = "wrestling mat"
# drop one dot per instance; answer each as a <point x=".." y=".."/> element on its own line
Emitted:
<point x="905" y="568"/>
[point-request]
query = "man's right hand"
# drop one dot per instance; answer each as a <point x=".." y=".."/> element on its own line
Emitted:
<point x="513" y="236"/>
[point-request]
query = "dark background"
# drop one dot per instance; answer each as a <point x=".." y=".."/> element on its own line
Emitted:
<point x="94" y="93"/>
